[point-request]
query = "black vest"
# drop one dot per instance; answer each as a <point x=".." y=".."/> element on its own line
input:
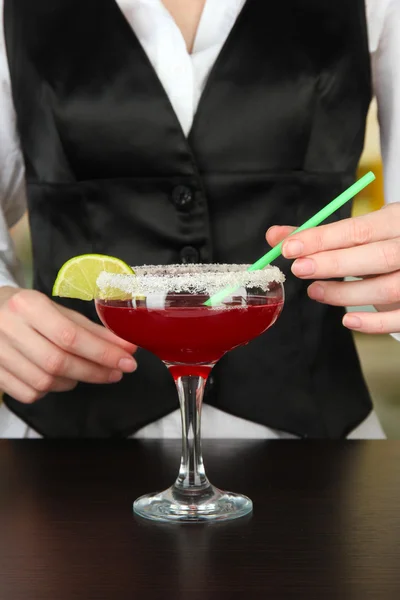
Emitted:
<point x="278" y="133"/>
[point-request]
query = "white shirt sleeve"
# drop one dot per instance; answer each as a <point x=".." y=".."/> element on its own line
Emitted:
<point x="12" y="181"/>
<point x="384" y="24"/>
<point x="384" y="32"/>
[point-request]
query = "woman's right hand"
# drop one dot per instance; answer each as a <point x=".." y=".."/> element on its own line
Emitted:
<point x="45" y="347"/>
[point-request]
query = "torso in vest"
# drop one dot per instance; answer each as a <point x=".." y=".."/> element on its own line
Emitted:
<point x="278" y="133"/>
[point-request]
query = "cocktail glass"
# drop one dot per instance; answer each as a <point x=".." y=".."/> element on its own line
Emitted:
<point x="161" y="309"/>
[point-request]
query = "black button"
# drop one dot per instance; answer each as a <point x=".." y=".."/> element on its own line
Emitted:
<point x="182" y="197"/>
<point x="189" y="255"/>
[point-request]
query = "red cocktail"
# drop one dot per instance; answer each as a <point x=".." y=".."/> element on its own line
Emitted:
<point x="163" y="311"/>
<point x="186" y="332"/>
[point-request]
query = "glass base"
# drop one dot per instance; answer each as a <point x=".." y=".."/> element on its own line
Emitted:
<point x="193" y="506"/>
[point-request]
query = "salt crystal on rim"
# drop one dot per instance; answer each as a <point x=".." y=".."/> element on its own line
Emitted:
<point x="194" y="279"/>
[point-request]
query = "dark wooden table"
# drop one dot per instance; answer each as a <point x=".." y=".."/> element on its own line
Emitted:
<point x="326" y="522"/>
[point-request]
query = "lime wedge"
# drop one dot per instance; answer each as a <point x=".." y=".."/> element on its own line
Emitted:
<point x="78" y="276"/>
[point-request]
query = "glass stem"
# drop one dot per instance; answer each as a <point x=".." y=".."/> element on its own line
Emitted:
<point x="191" y="473"/>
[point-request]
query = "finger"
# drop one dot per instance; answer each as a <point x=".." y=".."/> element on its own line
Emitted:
<point x="18" y="389"/>
<point x="277" y="233"/>
<point x="379" y="225"/>
<point x="62" y="384"/>
<point x="96" y="329"/>
<point x="53" y="360"/>
<point x="383" y="290"/>
<point x="377" y="323"/>
<point x="69" y="336"/>
<point x="30" y="374"/>
<point x="374" y="259"/>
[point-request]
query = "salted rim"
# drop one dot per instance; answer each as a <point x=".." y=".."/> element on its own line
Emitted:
<point x="194" y="279"/>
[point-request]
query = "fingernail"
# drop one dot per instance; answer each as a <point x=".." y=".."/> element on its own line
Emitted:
<point x="127" y="365"/>
<point x="352" y="322"/>
<point x="316" y="292"/>
<point x="303" y="267"/>
<point x="115" y="376"/>
<point x="292" y="248"/>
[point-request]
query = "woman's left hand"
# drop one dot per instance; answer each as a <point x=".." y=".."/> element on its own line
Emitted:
<point x="366" y="247"/>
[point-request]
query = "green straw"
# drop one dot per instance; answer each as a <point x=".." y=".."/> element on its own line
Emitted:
<point x="314" y="221"/>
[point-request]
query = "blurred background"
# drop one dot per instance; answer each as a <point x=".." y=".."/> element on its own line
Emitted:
<point x="380" y="355"/>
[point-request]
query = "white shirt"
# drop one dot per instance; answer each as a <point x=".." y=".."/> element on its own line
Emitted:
<point x="183" y="77"/>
